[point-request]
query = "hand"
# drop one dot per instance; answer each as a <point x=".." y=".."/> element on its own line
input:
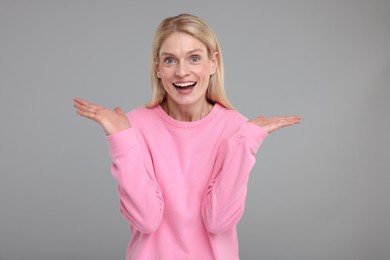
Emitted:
<point x="112" y="121"/>
<point x="275" y="123"/>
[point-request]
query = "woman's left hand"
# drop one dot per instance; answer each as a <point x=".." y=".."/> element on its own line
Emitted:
<point x="275" y="123"/>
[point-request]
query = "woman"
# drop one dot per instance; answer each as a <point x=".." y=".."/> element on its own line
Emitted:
<point x="182" y="162"/>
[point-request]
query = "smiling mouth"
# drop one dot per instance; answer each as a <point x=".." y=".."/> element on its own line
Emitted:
<point x="184" y="86"/>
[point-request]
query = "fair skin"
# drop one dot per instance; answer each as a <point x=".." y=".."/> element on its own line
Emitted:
<point x="184" y="68"/>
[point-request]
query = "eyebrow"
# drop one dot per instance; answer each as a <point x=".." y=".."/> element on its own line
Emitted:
<point x="188" y="53"/>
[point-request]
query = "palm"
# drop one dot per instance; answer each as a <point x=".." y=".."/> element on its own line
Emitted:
<point x="112" y="121"/>
<point x="275" y="123"/>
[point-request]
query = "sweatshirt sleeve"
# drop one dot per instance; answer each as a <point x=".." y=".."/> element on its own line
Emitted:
<point x="141" y="201"/>
<point x="224" y="200"/>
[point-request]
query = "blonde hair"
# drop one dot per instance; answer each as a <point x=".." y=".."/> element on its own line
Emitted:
<point x="197" y="28"/>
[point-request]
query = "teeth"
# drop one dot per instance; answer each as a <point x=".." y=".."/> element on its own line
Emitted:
<point x="184" y="84"/>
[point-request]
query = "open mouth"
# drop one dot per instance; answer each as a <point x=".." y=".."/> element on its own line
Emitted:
<point x="184" y="86"/>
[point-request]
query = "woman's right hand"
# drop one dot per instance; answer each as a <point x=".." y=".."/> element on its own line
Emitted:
<point x="112" y="121"/>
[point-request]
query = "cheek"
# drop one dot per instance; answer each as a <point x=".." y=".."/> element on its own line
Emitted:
<point x="201" y="72"/>
<point x="165" y="74"/>
<point x="165" y="80"/>
<point x="206" y="74"/>
<point x="163" y="77"/>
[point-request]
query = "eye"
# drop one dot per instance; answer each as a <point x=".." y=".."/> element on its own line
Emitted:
<point x="169" y="60"/>
<point x="195" y="58"/>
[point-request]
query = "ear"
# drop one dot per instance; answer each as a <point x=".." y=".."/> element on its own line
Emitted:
<point x="157" y="67"/>
<point x="214" y="63"/>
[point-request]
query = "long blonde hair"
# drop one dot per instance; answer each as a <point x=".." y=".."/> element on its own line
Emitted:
<point x="194" y="26"/>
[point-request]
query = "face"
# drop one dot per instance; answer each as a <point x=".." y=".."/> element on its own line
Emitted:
<point x="184" y="68"/>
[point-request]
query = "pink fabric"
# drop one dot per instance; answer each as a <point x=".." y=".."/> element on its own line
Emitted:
<point x="182" y="185"/>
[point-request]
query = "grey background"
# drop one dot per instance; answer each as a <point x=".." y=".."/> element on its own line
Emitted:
<point x="319" y="191"/>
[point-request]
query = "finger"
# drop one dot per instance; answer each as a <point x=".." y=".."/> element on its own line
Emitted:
<point x="287" y="118"/>
<point x="82" y="102"/>
<point x="288" y="121"/>
<point x="85" y="103"/>
<point x="79" y="100"/>
<point x="294" y="119"/>
<point x="87" y="114"/>
<point x="86" y="106"/>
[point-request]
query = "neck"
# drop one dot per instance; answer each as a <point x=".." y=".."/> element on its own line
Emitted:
<point x="187" y="113"/>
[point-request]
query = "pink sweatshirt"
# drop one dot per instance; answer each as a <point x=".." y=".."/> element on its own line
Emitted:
<point x="182" y="185"/>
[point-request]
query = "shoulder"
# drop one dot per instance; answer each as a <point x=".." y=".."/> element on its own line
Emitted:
<point x="142" y="110"/>
<point x="142" y="114"/>
<point x="226" y="121"/>
<point x="230" y="115"/>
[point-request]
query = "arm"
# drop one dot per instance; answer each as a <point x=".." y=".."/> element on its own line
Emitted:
<point x="224" y="201"/>
<point x="141" y="200"/>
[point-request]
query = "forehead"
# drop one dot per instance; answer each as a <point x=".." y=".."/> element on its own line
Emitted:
<point x="181" y="43"/>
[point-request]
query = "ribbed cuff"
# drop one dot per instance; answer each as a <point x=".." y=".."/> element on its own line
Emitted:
<point x="253" y="133"/>
<point x="121" y="142"/>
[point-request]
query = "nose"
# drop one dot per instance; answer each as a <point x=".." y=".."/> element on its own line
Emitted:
<point x="181" y="69"/>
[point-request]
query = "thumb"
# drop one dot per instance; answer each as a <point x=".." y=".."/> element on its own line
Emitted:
<point x="119" y="111"/>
